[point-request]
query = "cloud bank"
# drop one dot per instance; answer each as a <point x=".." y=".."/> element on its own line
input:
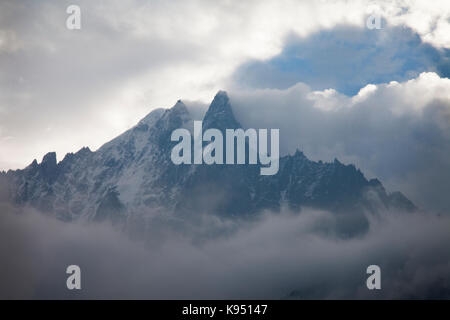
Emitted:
<point x="280" y="256"/>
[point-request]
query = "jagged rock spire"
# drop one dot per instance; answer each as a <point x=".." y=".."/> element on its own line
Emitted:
<point x="219" y="114"/>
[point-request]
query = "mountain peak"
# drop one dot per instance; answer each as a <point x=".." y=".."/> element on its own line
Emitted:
<point x="49" y="167"/>
<point x="151" y="118"/>
<point x="220" y="114"/>
<point x="180" y="104"/>
<point x="221" y="93"/>
<point x="49" y="159"/>
<point x="178" y="110"/>
<point x="299" y="154"/>
<point x="176" y="117"/>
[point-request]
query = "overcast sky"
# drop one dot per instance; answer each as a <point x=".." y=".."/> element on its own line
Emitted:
<point x="63" y="89"/>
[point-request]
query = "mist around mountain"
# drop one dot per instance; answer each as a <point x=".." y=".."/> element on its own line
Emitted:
<point x="141" y="227"/>
<point x="283" y="255"/>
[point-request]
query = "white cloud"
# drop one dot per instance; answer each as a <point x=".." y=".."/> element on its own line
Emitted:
<point x="430" y="21"/>
<point x="133" y="56"/>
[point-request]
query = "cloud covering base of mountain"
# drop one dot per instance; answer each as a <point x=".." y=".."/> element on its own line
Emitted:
<point x="279" y="256"/>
